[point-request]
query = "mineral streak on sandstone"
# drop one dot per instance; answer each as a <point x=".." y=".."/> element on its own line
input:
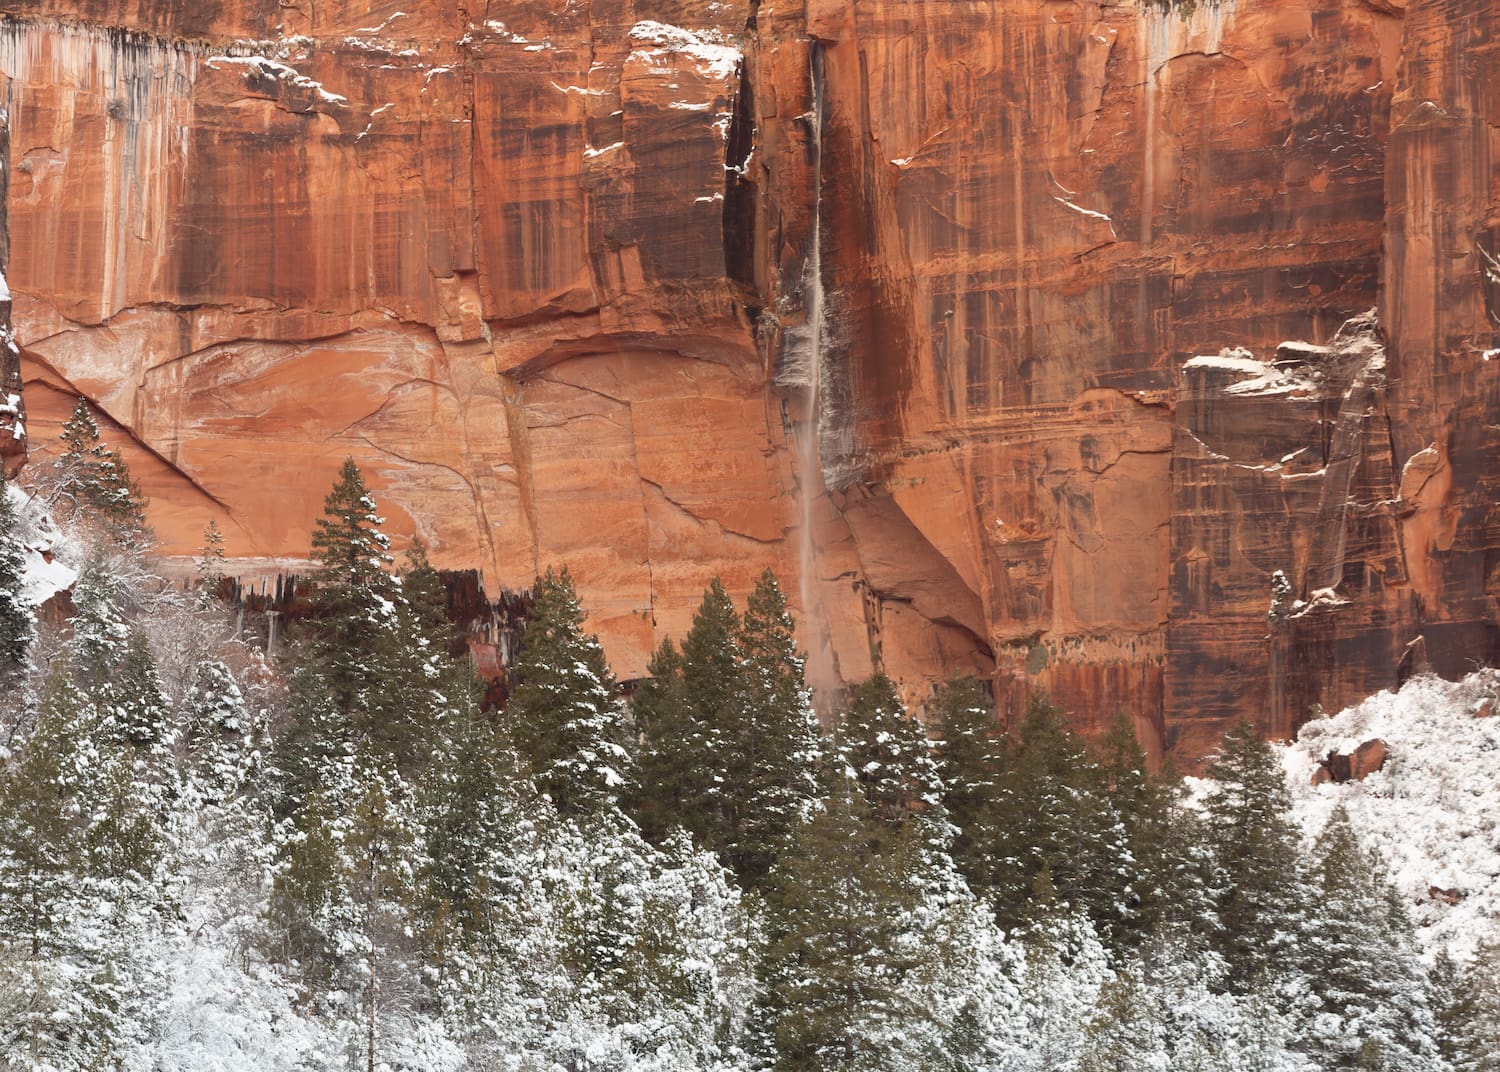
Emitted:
<point x="553" y="274"/>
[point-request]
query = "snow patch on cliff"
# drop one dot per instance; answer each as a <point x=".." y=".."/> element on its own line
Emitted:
<point x="713" y="56"/>
<point x="1433" y="810"/>
<point x="1258" y="377"/>
<point x="281" y="72"/>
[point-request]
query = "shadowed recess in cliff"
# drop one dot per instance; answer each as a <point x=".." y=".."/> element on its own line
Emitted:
<point x="901" y="565"/>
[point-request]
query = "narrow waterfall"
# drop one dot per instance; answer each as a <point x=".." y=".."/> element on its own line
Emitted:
<point x="809" y="455"/>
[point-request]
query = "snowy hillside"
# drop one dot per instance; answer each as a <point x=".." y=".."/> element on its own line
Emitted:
<point x="1433" y="810"/>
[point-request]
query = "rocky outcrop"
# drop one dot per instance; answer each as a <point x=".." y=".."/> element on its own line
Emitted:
<point x="1355" y="766"/>
<point x="974" y="320"/>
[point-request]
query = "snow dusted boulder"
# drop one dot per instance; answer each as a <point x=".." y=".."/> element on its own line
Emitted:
<point x="1352" y="766"/>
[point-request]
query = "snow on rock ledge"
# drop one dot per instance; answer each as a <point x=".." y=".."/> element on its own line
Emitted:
<point x="47" y="568"/>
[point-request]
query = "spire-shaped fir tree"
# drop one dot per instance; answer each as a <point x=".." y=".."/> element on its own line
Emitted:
<point x="1051" y="814"/>
<point x="774" y="781"/>
<point x="95" y="478"/>
<point x="668" y="785"/>
<point x="216" y="727"/>
<point x="564" y="718"/>
<point x="209" y="568"/>
<point x="729" y="743"/>
<point x="1259" y="889"/>
<point x="837" y="993"/>
<point x="890" y="755"/>
<point x="972" y="757"/>
<point x="713" y="690"/>
<point x="1467" y="1009"/>
<point x="353" y="595"/>
<point x="1359" y="953"/>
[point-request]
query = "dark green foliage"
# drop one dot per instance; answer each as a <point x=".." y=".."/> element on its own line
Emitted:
<point x="889" y="753"/>
<point x="972" y="758"/>
<point x="712" y="696"/>
<point x="353" y="598"/>
<point x="468" y="805"/>
<point x="1259" y="892"/>
<point x="728" y="742"/>
<point x="565" y="719"/>
<point x="773" y="777"/>
<point x="1053" y="813"/>
<point x="426" y="603"/>
<point x="837" y="959"/>
<point x="1155" y="857"/>
<point x="373" y="673"/>
<point x="1467" y="1010"/>
<point x="670" y="783"/>
<point x="1171" y="873"/>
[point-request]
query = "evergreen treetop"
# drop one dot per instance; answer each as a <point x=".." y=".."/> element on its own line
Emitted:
<point x="564" y="717"/>
<point x="95" y="477"/>
<point x="1259" y="889"/>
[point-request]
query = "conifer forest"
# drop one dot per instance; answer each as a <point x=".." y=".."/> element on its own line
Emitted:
<point x="334" y="855"/>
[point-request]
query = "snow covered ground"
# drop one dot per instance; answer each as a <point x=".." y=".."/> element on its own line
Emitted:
<point x="1433" y="810"/>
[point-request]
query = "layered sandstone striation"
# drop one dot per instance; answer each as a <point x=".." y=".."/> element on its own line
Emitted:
<point x="1135" y="351"/>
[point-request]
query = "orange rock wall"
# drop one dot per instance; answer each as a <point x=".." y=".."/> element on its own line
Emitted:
<point x="894" y="296"/>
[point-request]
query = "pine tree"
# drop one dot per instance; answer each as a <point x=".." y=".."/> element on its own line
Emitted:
<point x="890" y="755"/>
<point x="1468" y="1009"/>
<point x="469" y="807"/>
<point x="209" y="568"/>
<point x="838" y="965"/>
<point x="774" y="782"/>
<point x="137" y="711"/>
<point x="1052" y="814"/>
<point x="81" y="883"/>
<point x="374" y="673"/>
<point x="1172" y="870"/>
<point x="1360" y="957"/>
<point x="99" y="627"/>
<point x="216" y="723"/>
<point x="1064" y="967"/>
<point x="17" y="623"/>
<point x="1125" y="1032"/>
<point x="564" y="718"/>
<point x="729" y="744"/>
<point x="713" y="690"/>
<point x="354" y="597"/>
<point x="971" y="759"/>
<point x="343" y="908"/>
<point x="426" y="602"/>
<point x="668" y="781"/>
<point x="1259" y="888"/>
<point x="96" y="478"/>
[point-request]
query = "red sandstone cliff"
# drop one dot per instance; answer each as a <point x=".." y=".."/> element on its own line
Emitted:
<point x="900" y="298"/>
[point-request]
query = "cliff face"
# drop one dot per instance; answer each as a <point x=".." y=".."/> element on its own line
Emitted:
<point x="905" y="300"/>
